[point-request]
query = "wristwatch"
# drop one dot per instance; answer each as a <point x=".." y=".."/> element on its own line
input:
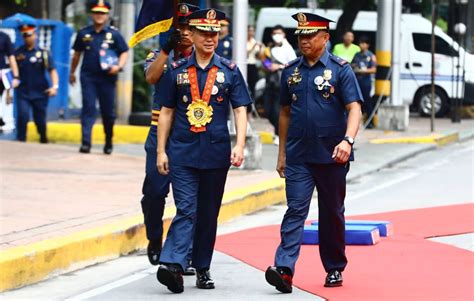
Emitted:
<point x="349" y="140"/>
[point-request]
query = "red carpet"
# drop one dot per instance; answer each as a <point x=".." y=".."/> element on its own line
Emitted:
<point x="403" y="266"/>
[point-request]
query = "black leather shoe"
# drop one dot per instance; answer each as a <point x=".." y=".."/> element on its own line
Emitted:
<point x="189" y="271"/>
<point x="85" y="149"/>
<point x="333" y="279"/>
<point x="171" y="275"/>
<point x="154" y="251"/>
<point x="108" y="148"/>
<point x="204" y="280"/>
<point x="43" y="140"/>
<point x="280" y="278"/>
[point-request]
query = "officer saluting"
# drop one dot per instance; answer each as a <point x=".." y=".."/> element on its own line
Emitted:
<point x="156" y="186"/>
<point x="105" y="54"/>
<point x="34" y="89"/>
<point x="319" y="118"/>
<point x="197" y="91"/>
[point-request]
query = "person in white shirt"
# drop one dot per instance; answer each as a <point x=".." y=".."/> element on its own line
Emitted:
<point x="274" y="58"/>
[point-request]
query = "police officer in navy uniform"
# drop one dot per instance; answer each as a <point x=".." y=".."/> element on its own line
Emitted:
<point x="105" y="54"/>
<point x="34" y="89"/>
<point x="156" y="186"/>
<point x="224" y="47"/>
<point x="195" y="95"/>
<point x="319" y="119"/>
<point x="7" y="61"/>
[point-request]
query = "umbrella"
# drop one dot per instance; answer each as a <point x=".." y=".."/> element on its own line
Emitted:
<point x="17" y="20"/>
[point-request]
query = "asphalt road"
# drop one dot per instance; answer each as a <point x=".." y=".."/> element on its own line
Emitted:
<point x="440" y="177"/>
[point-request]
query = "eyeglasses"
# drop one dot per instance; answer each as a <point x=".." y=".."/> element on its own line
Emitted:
<point x="27" y="34"/>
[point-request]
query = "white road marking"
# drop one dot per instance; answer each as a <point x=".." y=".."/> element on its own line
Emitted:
<point x="382" y="186"/>
<point x="113" y="285"/>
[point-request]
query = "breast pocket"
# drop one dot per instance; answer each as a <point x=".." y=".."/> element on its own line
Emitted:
<point x="221" y="93"/>
<point x="184" y="94"/>
<point x="296" y="93"/>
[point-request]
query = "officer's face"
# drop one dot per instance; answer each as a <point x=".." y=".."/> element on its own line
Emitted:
<point x="100" y="18"/>
<point x="312" y="44"/>
<point x="224" y="30"/>
<point x="29" y="38"/>
<point x="185" y="35"/>
<point x="205" y="42"/>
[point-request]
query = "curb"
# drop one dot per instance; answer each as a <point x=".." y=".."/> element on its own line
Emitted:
<point x="437" y="139"/>
<point x="42" y="260"/>
<point x="62" y="132"/>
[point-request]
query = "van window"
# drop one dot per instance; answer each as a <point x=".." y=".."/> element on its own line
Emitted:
<point x="422" y="42"/>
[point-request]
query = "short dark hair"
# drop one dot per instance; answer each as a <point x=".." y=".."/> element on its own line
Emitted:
<point x="278" y="27"/>
<point x="364" y="39"/>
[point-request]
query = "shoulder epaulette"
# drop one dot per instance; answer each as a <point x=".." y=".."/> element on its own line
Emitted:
<point x="231" y="65"/>
<point x="338" y="60"/>
<point x="113" y="27"/>
<point x="291" y="63"/>
<point x="178" y="63"/>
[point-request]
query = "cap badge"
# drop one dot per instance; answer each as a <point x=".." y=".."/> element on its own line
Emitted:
<point x="211" y="15"/>
<point x="302" y="19"/>
<point x="183" y="9"/>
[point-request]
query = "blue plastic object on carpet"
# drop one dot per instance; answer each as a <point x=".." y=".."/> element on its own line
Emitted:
<point x="355" y="235"/>
<point x="385" y="227"/>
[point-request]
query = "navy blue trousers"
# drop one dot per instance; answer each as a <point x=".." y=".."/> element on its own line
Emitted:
<point x="198" y="196"/>
<point x="24" y="107"/>
<point x="104" y="91"/>
<point x="155" y="190"/>
<point x="330" y="182"/>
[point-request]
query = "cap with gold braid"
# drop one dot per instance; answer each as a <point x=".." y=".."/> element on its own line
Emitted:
<point x="207" y="19"/>
<point x="100" y="6"/>
<point x="310" y="23"/>
<point x="185" y="10"/>
<point x="27" y="29"/>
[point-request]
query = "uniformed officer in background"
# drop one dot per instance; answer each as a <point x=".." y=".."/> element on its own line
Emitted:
<point x="7" y="61"/>
<point x="156" y="186"/>
<point x="195" y="95"/>
<point x="105" y="54"/>
<point x="319" y="119"/>
<point x="34" y="89"/>
<point x="224" y="47"/>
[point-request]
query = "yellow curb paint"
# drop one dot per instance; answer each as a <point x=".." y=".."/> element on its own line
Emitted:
<point x="59" y="132"/>
<point x="266" y="137"/>
<point x="438" y="139"/>
<point x="71" y="133"/>
<point x="32" y="263"/>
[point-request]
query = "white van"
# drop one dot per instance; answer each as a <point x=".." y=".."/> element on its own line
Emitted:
<point x="415" y="55"/>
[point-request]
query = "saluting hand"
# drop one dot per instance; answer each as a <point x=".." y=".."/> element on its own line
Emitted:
<point x="237" y="156"/>
<point x="162" y="164"/>
<point x="342" y="152"/>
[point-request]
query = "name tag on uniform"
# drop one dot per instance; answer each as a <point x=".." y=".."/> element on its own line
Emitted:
<point x="182" y="79"/>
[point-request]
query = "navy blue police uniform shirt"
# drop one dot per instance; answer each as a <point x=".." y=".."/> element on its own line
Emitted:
<point x="6" y="50"/>
<point x="151" y="57"/>
<point x="209" y="149"/>
<point x="224" y="47"/>
<point x="363" y="60"/>
<point x="91" y="42"/>
<point x="317" y="95"/>
<point x="33" y="65"/>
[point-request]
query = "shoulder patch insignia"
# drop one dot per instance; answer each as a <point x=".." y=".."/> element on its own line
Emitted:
<point x="291" y="63"/>
<point x="338" y="60"/>
<point x="229" y="64"/>
<point x="178" y="63"/>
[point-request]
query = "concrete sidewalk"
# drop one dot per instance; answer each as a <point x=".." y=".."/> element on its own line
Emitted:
<point x="61" y="210"/>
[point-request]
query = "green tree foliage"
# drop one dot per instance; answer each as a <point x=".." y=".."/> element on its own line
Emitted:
<point x="142" y="91"/>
